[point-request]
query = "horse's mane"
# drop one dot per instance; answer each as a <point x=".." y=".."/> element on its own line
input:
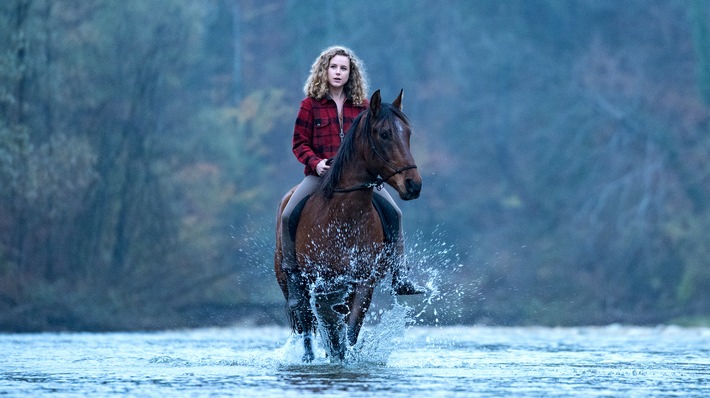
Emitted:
<point x="355" y="136"/>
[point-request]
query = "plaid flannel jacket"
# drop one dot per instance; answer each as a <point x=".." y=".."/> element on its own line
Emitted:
<point x="316" y="135"/>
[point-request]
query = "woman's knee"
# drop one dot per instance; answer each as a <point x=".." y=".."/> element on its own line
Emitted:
<point x="304" y="189"/>
<point x="391" y="202"/>
<point x="398" y="211"/>
<point x="284" y="218"/>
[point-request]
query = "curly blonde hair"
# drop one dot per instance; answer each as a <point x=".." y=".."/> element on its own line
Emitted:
<point x="317" y="83"/>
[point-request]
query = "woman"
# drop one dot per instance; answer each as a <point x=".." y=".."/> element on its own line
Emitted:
<point x="335" y="95"/>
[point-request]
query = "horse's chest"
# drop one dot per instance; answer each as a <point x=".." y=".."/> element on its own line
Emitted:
<point x="346" y="234"/>
<point x="353" y="245"/>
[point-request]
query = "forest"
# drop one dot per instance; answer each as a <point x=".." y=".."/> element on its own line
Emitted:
<point x="145" y="144"/>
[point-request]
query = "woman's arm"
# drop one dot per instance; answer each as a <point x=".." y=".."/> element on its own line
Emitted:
<point x="303" y="136"/>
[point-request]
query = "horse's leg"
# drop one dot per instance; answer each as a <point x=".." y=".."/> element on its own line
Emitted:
<point x="300" y="307"/>
<point x="359" y="304"/>
<point x="332" y="309"/>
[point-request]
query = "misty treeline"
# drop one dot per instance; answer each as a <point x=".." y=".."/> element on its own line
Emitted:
<point x="144" y="146"/>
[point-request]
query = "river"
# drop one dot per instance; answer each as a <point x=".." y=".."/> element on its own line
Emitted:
<point x="390" y="361"/>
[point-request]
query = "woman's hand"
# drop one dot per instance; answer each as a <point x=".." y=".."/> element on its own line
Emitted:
<point x="322" y="167"/>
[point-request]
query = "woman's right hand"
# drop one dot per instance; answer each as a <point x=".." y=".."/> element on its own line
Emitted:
<point x="322" y="167"/>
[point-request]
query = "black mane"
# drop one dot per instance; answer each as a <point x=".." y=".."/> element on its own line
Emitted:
<point x="355" y="137"/>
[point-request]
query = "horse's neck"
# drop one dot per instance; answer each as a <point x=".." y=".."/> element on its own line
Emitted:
<point x="355" y="174"/>
<point x="358" y="202"/>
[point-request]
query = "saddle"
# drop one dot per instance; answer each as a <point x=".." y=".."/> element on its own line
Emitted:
<point x="388" y="217"/>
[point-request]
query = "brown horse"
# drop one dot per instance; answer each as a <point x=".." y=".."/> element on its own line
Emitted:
<point x="341" y="250"/>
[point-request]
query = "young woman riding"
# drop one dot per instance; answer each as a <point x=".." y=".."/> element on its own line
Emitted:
<point x="335" y="95"/>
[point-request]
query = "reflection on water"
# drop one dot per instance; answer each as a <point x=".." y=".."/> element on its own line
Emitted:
<point x="419" y="361"/>
<point x="330" y="378"/>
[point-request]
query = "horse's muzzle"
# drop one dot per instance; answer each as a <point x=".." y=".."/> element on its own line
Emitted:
<point x="412" y="189"/>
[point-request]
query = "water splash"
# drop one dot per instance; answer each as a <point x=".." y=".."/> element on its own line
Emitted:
<point x="377" y="343"/>
<point x="434" y="263"/>
<point x="439" y="267"/>
<point x="378" y="340"/>
<point x="291" y="353"/>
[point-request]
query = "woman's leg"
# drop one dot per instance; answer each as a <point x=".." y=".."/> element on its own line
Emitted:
<point x="305" y="188"/>
<point x="298" y="298"/>
<point x="400" y="269"/>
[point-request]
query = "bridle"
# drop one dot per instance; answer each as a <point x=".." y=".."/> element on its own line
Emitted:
<point x="379" y="181"/>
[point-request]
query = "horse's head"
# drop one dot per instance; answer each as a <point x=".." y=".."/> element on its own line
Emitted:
<point x="389" y="140"/>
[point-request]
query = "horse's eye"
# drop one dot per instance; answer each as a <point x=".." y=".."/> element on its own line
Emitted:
<point x="385" y="134"/>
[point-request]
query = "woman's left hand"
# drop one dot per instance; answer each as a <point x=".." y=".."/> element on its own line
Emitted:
<point x="322" y="167"/>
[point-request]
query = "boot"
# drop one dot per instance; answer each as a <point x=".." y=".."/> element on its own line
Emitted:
<point x="401" y="285"/>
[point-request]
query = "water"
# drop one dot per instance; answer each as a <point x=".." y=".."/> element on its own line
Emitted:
<point x="393" y="361"/>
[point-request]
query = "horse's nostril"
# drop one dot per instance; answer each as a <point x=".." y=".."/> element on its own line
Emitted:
<point x="413" y="188"/>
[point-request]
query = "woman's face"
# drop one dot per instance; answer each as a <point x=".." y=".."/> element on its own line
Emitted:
<point x="338" y="71"/>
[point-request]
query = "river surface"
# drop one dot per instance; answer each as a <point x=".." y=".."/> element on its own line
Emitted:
<point x="390" y="361"/>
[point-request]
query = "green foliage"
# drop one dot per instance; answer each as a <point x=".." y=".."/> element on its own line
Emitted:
<point x="144" y="146"/>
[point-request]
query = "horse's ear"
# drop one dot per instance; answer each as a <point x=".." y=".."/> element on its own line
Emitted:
<point x="375" y="103"/>
<point x="398" y="102"/>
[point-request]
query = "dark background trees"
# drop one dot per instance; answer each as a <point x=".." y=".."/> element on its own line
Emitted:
<point x="144" y="146"/>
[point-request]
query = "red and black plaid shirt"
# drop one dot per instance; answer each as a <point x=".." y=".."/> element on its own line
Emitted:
<point x="316" y="135"/>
